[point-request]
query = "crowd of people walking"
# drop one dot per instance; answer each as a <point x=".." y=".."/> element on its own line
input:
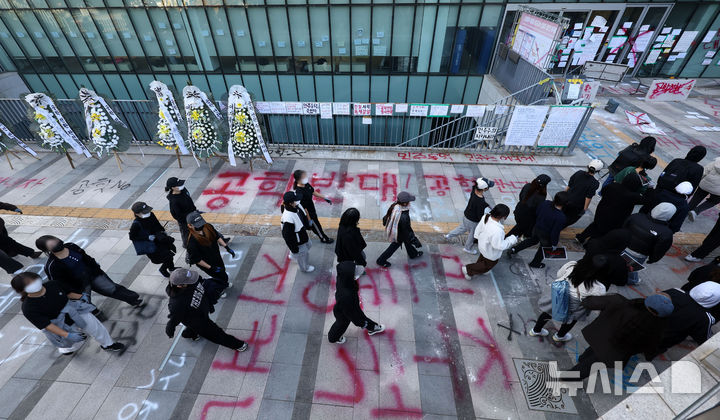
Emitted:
<point x="618" y="243"/>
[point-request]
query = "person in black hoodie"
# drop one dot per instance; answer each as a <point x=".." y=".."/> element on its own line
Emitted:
<point x="475" y="209"/>
<point x="611" y="246"/>
<point x="677" y="197"/>
<point x="203" y="248"/>
<point x="190" y="304"/>
<point x="616" y="205"/>
<point x="399" y="231"/>
<point x="347" y="306"/>
<point x="581" y="189"/>
<point x="531" y="195"/>
<point x="149" y="238"/>
<point x="294" y="230"/>
<point x="9" y="248"/>
<point x="683" y="169"/>
<point x="350" y="243"/>
<point x="550" y="221"/>
<point x="181" y="204"/>
<point x="77" y="272"/>
<point x="632" y="155"/>
<point x="707" y="272"/>
<point x="306" y="192"/>
<point x="650" y="236"/>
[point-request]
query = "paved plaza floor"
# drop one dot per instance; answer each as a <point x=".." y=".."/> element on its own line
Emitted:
<point x="453" y="348"/>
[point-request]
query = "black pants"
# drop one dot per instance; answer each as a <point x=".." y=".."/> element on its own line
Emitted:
<point x="591" y="231"/>
<point x="699" y="195"/>
<point x="572" y="214"/>
<point x="347" y="311"/>
<point x="316" y="227"/>
<point x="521" y="229"/>
<point x="585" y="362"/>
<point x="165" y="256"/>
<point x="103" y="285"/>
<point x="538" y="236"/>
<point x="221" y="277"/>
<point x="210" y="331"/>
<point x="411" y="251"/>
<point x="184" y="232"/>
<point x="712" y="241"/>
<point x="9" y="264"/>
<point x="545" y="317"/>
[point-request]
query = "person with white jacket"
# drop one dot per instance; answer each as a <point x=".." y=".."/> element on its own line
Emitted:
<point x="709" y="185"/>
<point x="294" y="231"/>
<point x="584" y="280"/>
<point x="490" y="235"/>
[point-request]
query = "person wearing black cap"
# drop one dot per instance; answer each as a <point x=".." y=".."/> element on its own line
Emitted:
<point x="149" y="238"/>
<point x="190" y="304"/>
<point x="622" y="329"/>
<point x="581" y="189"/>
<point x="531" y="195"/>
<point x="347" y="306"/>
<point x="399" y="231"/>
<point x="550" y="221"/>
<point x="181" y="204"/>
<point x="476" y="208"/>
<point x="294" y="231"/>
<point x="9" y="248"/>
<point x="305" y="193"/>
<point x="203" y="248"/>
<point x="350" y="243"/>
<point x="77" y="272"/>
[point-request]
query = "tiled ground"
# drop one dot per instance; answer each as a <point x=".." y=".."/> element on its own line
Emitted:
<point x="447" y="353"/>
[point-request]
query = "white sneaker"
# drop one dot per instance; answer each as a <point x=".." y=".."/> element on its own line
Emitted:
<point x="543" y="333"/>
<point x="692" y="215"/>
<point x="690" y="258"/>
<point x="360" y="275"/>
<point x="448" y="237"/>
<point x="72" y="349"/>
<point x="290" y="256"/>
<point x="471" y="251"/>
<point x="465" y="273"/>
<point x="566" y="337"/>
<point x="229" y="285"/>
<point x="223" y="296"/>
<point x="341" y="340"/>
<point x="378" y="329"/>
<point x="310" y="269"/>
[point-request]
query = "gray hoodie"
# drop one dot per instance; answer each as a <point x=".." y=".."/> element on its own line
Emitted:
<point x="711" y="177"/>
<point x="663" y="212"/>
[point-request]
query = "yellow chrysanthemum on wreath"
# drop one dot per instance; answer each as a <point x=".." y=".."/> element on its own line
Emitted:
<point x="97" y="133"/>
<point x="39" y="116"/>
<point x="197" y="134"/>
<point x="164" y="130"/>
<point x="240" y="137"/>
<point x="240" y="118"/>
<point x="195" y="115"/>
<point x="95" y="116"/>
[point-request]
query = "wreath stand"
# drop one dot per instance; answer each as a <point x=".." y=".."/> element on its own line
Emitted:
<point x="118" y="160"/>
<point x="8" y="152"/>
<point x="177" y="153"/>
<point x="67" y="155"/>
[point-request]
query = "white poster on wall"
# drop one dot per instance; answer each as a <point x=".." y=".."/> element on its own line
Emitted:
<point x="534" y="38"/>
<point x="670" y="90"/>
<point x="419" y="110"/>
<point x="277" y="107"/>
<point x="293" y="108"/>
<point x="589" y="91"/>
<point x="484" y="133"/>
<point x="384" y="109"/>
<point x="362" y="109"/>
<point x="341" y="108"/>
<point x="263" y="107"/>
<point x="400" y="108"/>
<point x="561" y="125"/>
<point x="311" y="108"/>
<point x="525" y="125"/>
<point x="475" y="111"/>
<point x="326" y="110"/>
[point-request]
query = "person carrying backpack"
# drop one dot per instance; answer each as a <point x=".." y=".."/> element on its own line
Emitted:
<point x="632" y="155"/>
<point x="650" y="236"/>
<point x="149" y="238"/>
<point x="398" y="230"/>
<point x="685" y="169"/>
<point x="583" y="280"/>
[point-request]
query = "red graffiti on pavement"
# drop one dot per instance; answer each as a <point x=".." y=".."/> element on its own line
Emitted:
<point x="232" y="187"/>
<point x="260" y="300"/>
<point x="256" y="344"/>
<point x="373" y="352"/>
<point x="390" y="334"/>
<point x="225" y="404"/>
<point x="386" y="183"/>
<point x="21" y="183"/>
<point x="371" y="274"/>
<point x="494" y="357"/>
<point x="322" y="309"/>
<point x="358" y="387"/>
<point x="411" y="277"/>
<point x="399" y="410"/>
<point x="280" y="271"/>
<point x="424" y="156"/>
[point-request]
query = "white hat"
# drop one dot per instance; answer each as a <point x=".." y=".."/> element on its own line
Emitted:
<point x="596" y="164"/>
<point x="684" y="188"/>
<point x="484" y="183"/>
<point x="707" y="294"/>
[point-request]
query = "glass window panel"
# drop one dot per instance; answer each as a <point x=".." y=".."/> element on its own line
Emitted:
<point x="398" y="88"/>
<point x="130" y="40"/>
<point x="340" y="18"/>
<point x="445" y="30"/>
<point x="695" y="67"/>
<point x="34" y="83"/>
<point x="81" y="80"/>
<point x="261" y="38"/>
<point x="378" y="88"/>
<point x="29" y="51"/>
<point x="13" y="50"/>
<point x="54" y="87"/>
<point x="186" y="53"/>
<point x="203" y="37"/>
<point x="92" y="36"/>
<point x="324" y="88"/>
<point x="698" y="21"/>
<point x="142" y="25"/>
<point x="380" y="39"/>
<point x="145" y="80"/>
<point x="217" y="86"/>
<point x="470" y="15"/>
<point x="136" y="90"/>
<point x="223" y="38"/>
<point x="342" y="88"/>
<point x="5" y="61"/>
<point x="490" y="16"/>
<point x="252" y="84"/>
<point x="100" y="85"/>
<point x="416" y="89"/>
<point x="454" y="90"/>
<point x="270" y="87"/>
<point x="280" y="36"/>
<point x="116" y="86"/>
<point x="288" y="89"/>
<point x="361" y="89"/>
<point x="198" y="80"/>
<point x="320" y="39"/>
<point x="243" y="42"/>
<point x="68" y="84"/>
<point x="306" y="88"/>
<point x="424" y="19"/>
<point x="41" y="41"/>
<point x="361" y="38"/>
<point x="301" y="43"/>
<point x="435" y="89"/>
<point x="111" y="38"/>
<point x="472" y="90"/>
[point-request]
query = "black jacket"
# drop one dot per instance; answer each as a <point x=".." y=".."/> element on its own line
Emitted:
<point x="633" y="155"/>
<point x="649" y="236"/>
<point x="622" y="329"/>
<point x="476" y="206"/>
<point x="188" y="305"/>
<point x="346" y="288"/>
<point x="292" y="238"/>
<point x="688" y="319"/>
<point x="685" y="169"/>
<point x="181" y="205"/>
<point x="6" y="243"/>
<point x="670" y="196"/>
<point x="617" y="203"/>
<point x="405" y="231"/>
<point x="306" y="198"/>
<point x="550" y="220"/>
<point x="208" y="253"/>
<point x="611" y="245"/>
<point x="57" y="270"/>
<point x="349" y="245"/>
<point x="526" y="212"/>
<point x="700" y="275"/>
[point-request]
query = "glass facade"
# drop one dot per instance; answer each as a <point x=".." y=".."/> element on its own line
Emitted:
<point x="306" y="50"/>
